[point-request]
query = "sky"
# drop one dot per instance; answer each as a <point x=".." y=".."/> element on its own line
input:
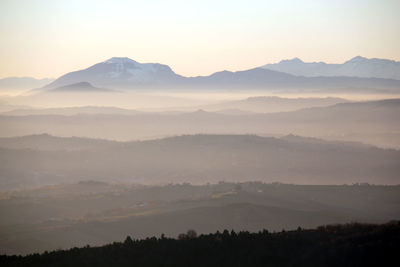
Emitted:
<point x="48" y="38"/>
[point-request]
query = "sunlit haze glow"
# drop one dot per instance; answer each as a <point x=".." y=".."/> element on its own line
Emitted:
<point x="47" y="38"/>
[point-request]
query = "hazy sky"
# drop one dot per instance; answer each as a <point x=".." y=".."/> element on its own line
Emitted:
<point x="47" y="38"/>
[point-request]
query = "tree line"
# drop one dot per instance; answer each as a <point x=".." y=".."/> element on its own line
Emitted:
<point x="352" y="244"/>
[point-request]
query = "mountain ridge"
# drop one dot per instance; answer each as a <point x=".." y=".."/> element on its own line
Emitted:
<point x="355" y="67"/>
<point x="125" y="73"/>
<point x="117" y="71"/>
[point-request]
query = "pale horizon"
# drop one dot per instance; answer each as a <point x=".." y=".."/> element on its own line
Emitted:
<point x="46" y="39"/>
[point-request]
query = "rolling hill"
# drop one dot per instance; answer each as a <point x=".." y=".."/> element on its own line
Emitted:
<point x="198" y="159"/>
<point x="373" y="122"/>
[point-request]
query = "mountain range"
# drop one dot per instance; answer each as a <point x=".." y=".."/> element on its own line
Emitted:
<point x="125" y="73"/>
<point x="355" y="67"/>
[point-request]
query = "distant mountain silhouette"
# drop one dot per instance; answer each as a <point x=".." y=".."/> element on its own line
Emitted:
<point x="125" y="73"/>
<point x="22" y="83"/>
<point x="119" y="72"/>
<point x="355" y="67"/>
<point x="79" y="87"/>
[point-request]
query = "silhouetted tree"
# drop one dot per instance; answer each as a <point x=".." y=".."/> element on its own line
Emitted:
<point x="128" y="241"/>
<point x="191" y="234"/>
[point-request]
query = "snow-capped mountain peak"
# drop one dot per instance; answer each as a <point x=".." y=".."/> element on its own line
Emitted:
<point x="114" y="60"/>
<point x="119" y="72"/>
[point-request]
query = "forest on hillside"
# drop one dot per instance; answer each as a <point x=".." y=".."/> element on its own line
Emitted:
<point x="331" y="245"/>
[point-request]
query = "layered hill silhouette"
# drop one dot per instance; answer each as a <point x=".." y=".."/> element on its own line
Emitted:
<point x="258" y="104"/>
<point x="270" y="104"/>
<point x="71" y="111"/>
<point x="195" y="158"/>
<point x="48" y="142"/>
<point x="373" y="122"/>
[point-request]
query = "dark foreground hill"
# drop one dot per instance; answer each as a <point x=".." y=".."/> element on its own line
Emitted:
<point x="338" y="245"/>
<point x="97" y="213"/>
